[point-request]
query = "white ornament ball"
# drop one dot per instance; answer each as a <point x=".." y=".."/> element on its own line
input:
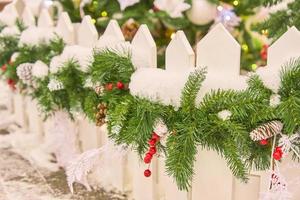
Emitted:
<point x="224" y="115"/>
<point x="202" y="12"/>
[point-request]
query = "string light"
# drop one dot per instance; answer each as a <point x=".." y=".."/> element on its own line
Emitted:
<point x="245" y="47"/>
<point x="236" y="3"/>
<point x="254" y="66"/>
<point x="104" y="14"/>
<point x="172" y="35"/>
<point x="265" y="32"/>
<point x="220" y="8"/>
<point x="93" y="21"/>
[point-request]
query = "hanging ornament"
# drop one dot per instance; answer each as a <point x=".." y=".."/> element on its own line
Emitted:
<point x="129" y="29"/>
<point x="174" y="8"/>
<point x="101" y="114"/>
<point x="55" y="85"/>
<point x="264" y="52"/>
<point x="202" y="12"/>
<point x="151" y="152"/>
<point x="40" y="69"/>
<point x="126" y="3"/>
<point x="227" y="17"/>
<point x="24" y="72"/>
<point x="266" y="130"/>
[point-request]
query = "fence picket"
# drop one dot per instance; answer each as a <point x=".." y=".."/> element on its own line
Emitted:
<point x="65" y="28"/>
<point x="28" y="17"/>
<point x="144" y="48"/>
<point x="45" y="20"/>
<point x="87" y="34"/>
<point x="280" y="52"/>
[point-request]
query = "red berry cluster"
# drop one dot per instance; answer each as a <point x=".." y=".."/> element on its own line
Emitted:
<point x="277" y="155"/>
<point x="11" y="83"/>
<point x="151" y="152"/>
<point x="264" y="52"/>
<point x="110" y="86"/>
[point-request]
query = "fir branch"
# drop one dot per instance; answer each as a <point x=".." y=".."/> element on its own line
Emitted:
<point x="191" y="89"/>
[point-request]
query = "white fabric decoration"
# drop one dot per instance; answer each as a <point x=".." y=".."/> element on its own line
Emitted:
<point x="275" y="100"/>
<point x="160" y="128"/>
<point x="61" y="134"/>
<point x="79" y="168"/>
<point x="14" y="56"/>
<point x="159" y="85"/>
<point x="55" y="85"/>
<point x="126" y="3"/>
<point x="202" y="12"/>
<point x="40" y="69"/>
<point x="10" y="31"/>
<point x="36" y="35"/>
<point x="173" y="7"/>
<point x="83" y="55"/>
<point x="24" y="72"/>
<point x="224" y="115"/>
<point x="278" y="189"/>
<point x="287" y="143"/>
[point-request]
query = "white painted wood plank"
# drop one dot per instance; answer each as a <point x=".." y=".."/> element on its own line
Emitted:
<point x="35" y="123"/>
<point x="19" y="110"/>
<point x="45" y="19"/>
<point x="28" y="17"/>
<point x="280" y="52"/>
<point x="111" y="37"/>
<point x="179" y="53"/>
<point x="20" y="5"/>
<point x="144" y="49"/>
<point x="65" y="28"/>
<point x="89" y="134"/>
<point x="87" y="34"/>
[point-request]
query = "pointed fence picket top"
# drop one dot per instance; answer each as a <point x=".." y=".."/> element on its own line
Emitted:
<point x="45" y="20"/>
<point x="20" y="5"/>
<point x="87" y="34"/>
<point x="219" y="52"/>
<point x="280" y="52"/>
<point x="179" y="53"/>
<point x="28" y="17"/>
<point x="111" y="36"/>
<point x="65" y="28"/>
<point x="144" y="48"/>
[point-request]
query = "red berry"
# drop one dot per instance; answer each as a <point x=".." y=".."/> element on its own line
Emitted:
<point x="120" y="85"/>
<point x="155" y="136"/>
<point x="147" y="173"/>
<point x="152" y="150"/>
<point x="263" y="142"/>
<point x="155" y="9"/>
<point x="147" y="159"/>
<point x="152" y="142"/>
<point x="109" y="86"/>
<point x="277" y="155"/>
<point x="4" y="67"/>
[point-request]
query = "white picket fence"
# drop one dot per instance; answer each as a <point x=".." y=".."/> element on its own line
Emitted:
<point x="218" y="51"/>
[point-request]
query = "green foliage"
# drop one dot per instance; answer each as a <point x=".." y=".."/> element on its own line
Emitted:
<point x="279" y="21"/>
<point x="9" y="45"/>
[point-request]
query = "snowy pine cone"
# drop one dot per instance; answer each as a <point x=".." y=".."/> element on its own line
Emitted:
<point x="24" y="72"/>
<point x="266" y="130"/>
<point x="55" y="85"/>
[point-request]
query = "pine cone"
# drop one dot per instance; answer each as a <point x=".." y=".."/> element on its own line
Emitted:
<point x="24" y="72"/>
<point x="266" y="130"/>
